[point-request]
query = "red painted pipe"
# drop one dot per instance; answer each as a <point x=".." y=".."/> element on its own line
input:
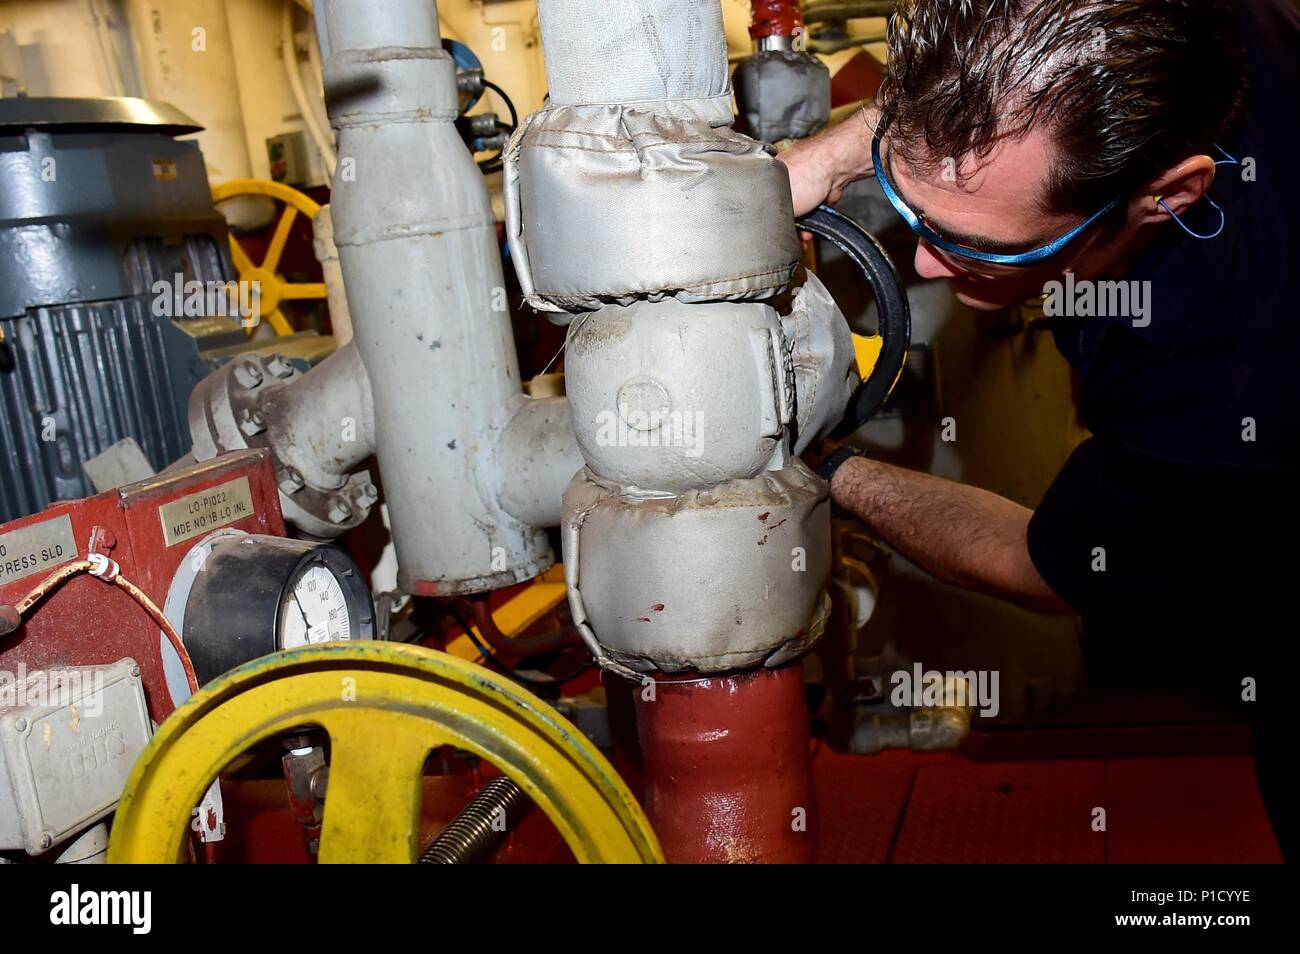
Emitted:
<point x="775" y="18"/>
<point x="727" y="767"/>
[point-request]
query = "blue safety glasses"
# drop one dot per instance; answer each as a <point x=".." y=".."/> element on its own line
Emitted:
<point x="1018" y="259"/>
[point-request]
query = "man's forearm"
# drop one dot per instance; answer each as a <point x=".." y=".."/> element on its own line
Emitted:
<point x="960" y="534"/>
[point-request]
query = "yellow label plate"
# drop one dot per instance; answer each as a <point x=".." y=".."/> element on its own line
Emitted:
<point x="201" y="513"/>
<point x="35" y="548"/>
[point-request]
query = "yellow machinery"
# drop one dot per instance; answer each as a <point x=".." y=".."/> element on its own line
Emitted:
<point x="274" y="289"/>
<point x="385" y="707"/>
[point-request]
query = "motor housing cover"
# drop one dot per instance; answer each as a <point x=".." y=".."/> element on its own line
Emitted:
<point x="102" y="208"/>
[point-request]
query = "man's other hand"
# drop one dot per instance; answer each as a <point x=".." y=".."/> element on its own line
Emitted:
<point x="822" y="166"/>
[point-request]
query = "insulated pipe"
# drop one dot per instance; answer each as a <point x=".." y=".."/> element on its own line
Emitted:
<point x="783" y="91"/>
<point x="678" y="551"/>
<point x="599" y="52"/>
<point x="327" y="253"/>
<point x="727" y="767"/>
<point x="324" y="424"/>
<point x="422" y="269"/>
<point x="538" y="457"/>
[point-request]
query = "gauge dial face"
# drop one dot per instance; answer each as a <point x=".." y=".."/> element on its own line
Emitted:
<point x="316" y="610"/>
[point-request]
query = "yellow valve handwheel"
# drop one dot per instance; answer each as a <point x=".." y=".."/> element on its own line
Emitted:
<point x="385" y="706"/>
<point x="274" y="289"/>
<point x="866" y="349"/>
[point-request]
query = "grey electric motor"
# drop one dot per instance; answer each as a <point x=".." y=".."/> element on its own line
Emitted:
<point x="99" y="203"/>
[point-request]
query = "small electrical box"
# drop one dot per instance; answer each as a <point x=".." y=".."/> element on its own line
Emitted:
<point x="287" y="153"/>
<point x="68" y="740"/>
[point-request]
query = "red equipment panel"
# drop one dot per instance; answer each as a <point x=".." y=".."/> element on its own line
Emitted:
<point x="87" y="622"/>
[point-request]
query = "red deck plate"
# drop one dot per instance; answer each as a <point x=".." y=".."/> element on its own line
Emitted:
<point x="860" y="799"/>
<point x="1025" y="812"/>
<point x="1187" y="811"/>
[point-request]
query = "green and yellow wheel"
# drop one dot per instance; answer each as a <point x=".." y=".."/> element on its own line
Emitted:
<point x="385" y="706"/>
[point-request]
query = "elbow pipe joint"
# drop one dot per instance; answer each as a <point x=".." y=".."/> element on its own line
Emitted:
<point x="319" y="426"/>
<point x="537" y="455"/>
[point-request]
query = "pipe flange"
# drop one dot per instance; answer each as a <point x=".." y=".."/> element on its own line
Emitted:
<point x="327" y="513"/>
<point x="225" y="415"/>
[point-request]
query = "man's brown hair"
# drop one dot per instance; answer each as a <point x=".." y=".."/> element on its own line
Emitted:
<point x="1130" y="87"/>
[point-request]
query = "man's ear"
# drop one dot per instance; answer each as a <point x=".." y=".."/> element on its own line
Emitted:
<point x="1180" y="188"/>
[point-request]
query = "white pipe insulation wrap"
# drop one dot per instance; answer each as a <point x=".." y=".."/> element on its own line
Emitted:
<point x="638" y="203"/>
<point x="664" y="408"/>
<point x="710" y="580"/>
<point x="644" y="189"/>
<point x="823" y="359"/>
<point x="633" y="51"/>
<point x="693" y="539"/>
<point x="422" y="269"/>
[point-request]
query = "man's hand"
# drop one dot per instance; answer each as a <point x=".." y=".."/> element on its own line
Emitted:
<point x="824" y="165"/>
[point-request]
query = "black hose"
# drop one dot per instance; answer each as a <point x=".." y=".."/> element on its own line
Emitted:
<point x="477" y="833"/>
<point x="514" y="116"/>
<point x="895" y="319"/>
<point x="496" y="161"/>
<point x="494" y="662"/>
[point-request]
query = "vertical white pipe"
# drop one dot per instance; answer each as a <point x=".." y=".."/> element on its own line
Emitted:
<point x="422" y="268"/>
<point x="601" y="52"/>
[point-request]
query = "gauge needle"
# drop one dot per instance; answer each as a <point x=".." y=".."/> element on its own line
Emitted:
<point x="305" y="621"/>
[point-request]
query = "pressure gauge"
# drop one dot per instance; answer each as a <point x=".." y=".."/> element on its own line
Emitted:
<point x="317" y="608"/>
<point x="239" y="596"/>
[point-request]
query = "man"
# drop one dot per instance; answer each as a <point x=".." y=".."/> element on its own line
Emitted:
<point x="1026" y="139"/>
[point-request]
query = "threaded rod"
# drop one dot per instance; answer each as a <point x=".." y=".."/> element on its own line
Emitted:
<point x="475" y="835"/>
